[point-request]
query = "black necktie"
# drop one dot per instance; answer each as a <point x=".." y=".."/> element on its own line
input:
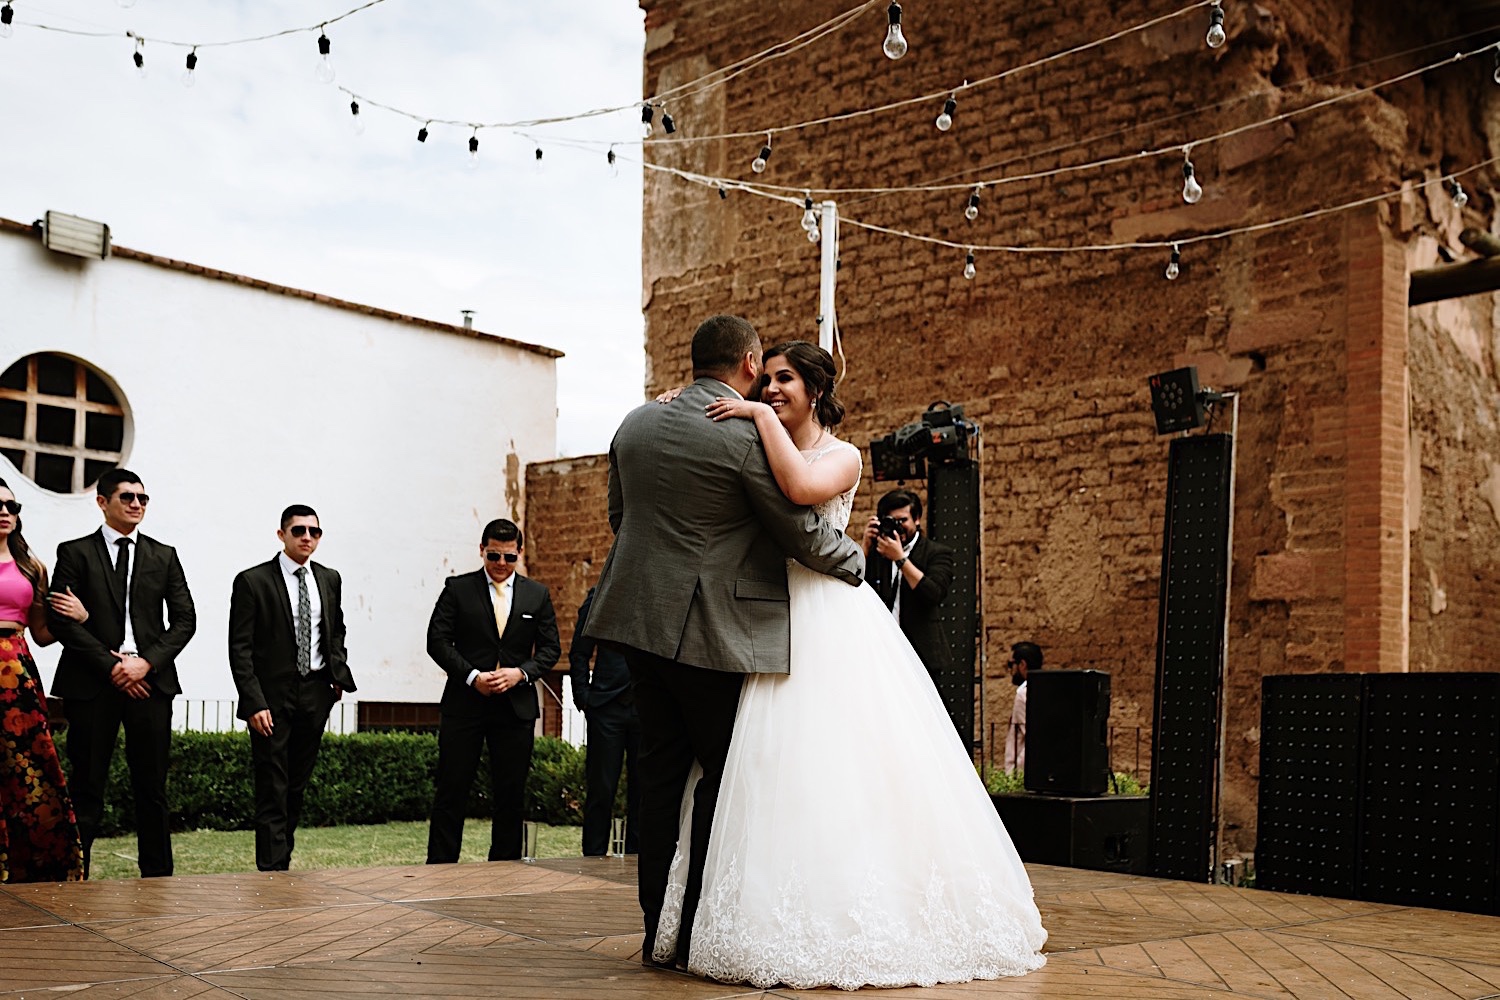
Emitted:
<point x="122" y="582"/>
<point x="122" y="569"/>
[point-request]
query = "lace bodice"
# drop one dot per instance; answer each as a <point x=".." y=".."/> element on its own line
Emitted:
<point x="836" y="510"/>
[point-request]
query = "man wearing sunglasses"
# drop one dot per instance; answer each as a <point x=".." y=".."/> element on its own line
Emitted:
<point x="119" y="667"/>
<point x="287" y="655"/>
<point x="494" y="633"/>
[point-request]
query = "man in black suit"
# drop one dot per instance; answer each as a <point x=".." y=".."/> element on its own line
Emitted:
<point x="911" y="573"/>
<point x="119" y="666"/>
<point x="614" y="734"/>
<point x="494" y="633"/>
<point x="287" y="655"/>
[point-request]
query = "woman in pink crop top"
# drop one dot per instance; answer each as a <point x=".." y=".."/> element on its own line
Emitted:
<point x="38" y="835"/>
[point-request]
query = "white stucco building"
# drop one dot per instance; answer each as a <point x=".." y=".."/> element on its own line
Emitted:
<point x="235" y="397"/>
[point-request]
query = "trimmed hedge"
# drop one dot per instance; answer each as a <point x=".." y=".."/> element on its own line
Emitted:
<point x="360" y="778"/>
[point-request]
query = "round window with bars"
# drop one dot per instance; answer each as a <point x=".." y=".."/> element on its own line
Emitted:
<point x="62" y="423"/>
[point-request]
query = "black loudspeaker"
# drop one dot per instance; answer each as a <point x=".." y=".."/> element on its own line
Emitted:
<point x="1106" y="833"/>
<point x="1067" y="732"/>
<point x="1190" y="657"/>
<point x="953" y="519"/>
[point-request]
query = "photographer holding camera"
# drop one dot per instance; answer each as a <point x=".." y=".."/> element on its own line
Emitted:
<point x="911" y="573"/>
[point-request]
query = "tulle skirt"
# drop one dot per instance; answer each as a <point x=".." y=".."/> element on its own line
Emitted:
<point x="853" y="843"/>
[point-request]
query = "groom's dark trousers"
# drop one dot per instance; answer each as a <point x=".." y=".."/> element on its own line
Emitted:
<point x="686" y="713"/>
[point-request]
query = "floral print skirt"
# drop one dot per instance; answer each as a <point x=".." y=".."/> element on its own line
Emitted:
<point x="38" y="833"/>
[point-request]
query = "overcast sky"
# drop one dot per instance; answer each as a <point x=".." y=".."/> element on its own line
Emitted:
<point x="256" y="169"/>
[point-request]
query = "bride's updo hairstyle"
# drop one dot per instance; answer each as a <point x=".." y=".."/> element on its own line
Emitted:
<point x="815" y="365"/>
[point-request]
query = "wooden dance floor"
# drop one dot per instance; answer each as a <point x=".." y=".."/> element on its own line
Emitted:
<point x="570" y="929"/>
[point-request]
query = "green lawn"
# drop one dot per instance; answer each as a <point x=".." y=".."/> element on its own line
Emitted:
<point x="204" y="852"/>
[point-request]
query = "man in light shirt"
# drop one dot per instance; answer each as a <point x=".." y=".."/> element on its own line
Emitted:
<point x="493" y="631"/>
<point x="287" y="655"/>
<point x="1025" y="657"/>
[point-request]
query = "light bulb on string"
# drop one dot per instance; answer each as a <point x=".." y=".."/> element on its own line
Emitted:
<point x="5" y="18"/>
<point x="969" y="270"/>
<point x="355" y="121"/>
<point x="1191" y="189"/>
<point x="189" y="75"/>
<point x="539" y="158"/>
<point x="894" y="46"/>
<point x="609" y="158"/>
<point x="1216" y="35"/>
<point x="1174" y="266"/>
<point x="422" y="132"/>
<point x="1460" y="196"/>
<point x="647" y="114"/>
<point x="474" y="150"/>
<point x="668" y="125"/>
<point x="324" y="70"/>
<point x="139" y="58"/>
<point x="723" y="193"/>
<point x="971" y="210"/>
<point x="813" y="235"/>
<point x="809" y="217"/>
<point x="1497" y="64"/>
<point x="945" y="120"/>
<point x="759" y="163"/>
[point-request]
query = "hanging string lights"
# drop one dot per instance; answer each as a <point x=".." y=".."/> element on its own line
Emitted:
<point x="759" y="163"/>
<point x="324" y="71"/>
<point x="189" y="75"/>
<point x="1216" y="36"/>
<point x="355" y="121"/>
<point x="1192" y="191"/>
<point x="1460" y="196"/>
<point x="971" y="210"/>
<point x="945" y="120"/>
<point x="894" y="45"/>
<point x="474" y="150"/>
<point x="969" y="269"/>
<point x="7" y="15"/>
<point x="1174" y="265"/>
<point x="139" y="58"/>
<point x="648" y="114"/>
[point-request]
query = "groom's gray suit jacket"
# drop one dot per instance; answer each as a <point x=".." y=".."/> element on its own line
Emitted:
<point x="697" y="573"/>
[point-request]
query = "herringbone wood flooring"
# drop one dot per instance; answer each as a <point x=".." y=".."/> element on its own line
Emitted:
<point x="569" y="929"/>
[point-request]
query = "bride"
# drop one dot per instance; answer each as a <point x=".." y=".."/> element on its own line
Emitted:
<point x="853" y="844"/>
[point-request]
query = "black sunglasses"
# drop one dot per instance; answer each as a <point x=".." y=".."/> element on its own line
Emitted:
<point x="298" y="530"/>
<point x="509" y="557"/>
<point x="14" y="506"/>
<point x="129" y="498"/>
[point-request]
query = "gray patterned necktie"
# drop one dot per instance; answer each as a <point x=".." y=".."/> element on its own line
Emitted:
<point x="304" y="624"/>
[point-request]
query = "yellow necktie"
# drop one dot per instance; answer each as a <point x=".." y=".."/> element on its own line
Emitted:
<point x="502" y="607"/>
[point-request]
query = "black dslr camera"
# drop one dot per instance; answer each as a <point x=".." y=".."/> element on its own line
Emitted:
<point x="889" y="527"/>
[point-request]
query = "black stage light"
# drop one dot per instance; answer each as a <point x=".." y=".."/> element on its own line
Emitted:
<point x="1177" y="401"/>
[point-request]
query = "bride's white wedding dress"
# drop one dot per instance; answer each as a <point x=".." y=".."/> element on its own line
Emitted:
<point x="853" y="844"/>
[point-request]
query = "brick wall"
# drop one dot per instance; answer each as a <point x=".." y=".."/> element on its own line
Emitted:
<point x="1050" y="352"/>
<point x="567" y="538"/>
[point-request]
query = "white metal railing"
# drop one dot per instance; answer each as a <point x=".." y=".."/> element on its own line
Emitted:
<point x="217" y="715"/>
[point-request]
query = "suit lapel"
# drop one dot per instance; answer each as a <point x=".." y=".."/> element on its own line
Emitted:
<point x="320" y="576"/>
<point x="487" y="601"/>
<point x="279" y="595"/>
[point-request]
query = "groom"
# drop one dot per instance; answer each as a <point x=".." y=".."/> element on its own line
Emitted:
<point x="694" y="592"/>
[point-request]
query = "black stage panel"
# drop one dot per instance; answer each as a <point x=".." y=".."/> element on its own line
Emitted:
<point x="1189" y="657"/>
<point x="1309" y="784"/>
<point x="953" y="519"/>
<point x="1431" y="786"/>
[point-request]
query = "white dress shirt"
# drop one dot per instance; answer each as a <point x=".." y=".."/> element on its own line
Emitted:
<point x="495" y="589"/>
<point x="289" y="569"/>
<point x="111" y="536"/>
<point x="1015" y="736"/>
<point x="896" y="578"/>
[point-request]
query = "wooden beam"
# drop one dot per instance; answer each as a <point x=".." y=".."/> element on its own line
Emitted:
<point x="1452" y="281"/>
